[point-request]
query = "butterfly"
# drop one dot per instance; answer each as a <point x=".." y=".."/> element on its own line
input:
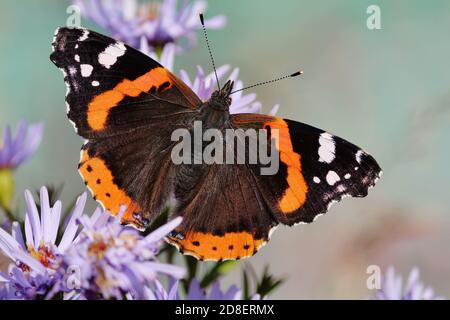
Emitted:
<point x="126" y="106"/>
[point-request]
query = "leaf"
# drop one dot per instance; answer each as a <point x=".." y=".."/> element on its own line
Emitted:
<point x="268" y="283"/>
<point x="245" y="286"/>
<point x="263" y="286"/>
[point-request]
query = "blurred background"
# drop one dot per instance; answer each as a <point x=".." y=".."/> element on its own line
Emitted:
<point x="386" y="90"/>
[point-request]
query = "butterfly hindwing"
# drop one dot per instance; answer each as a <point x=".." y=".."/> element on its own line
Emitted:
<point x="224" y="214"/>
<point x="113" y="88"/>
<point x="132" y="170"/>
<point x="316" y="169"/>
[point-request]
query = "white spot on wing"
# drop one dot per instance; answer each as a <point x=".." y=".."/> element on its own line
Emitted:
<point x="86" y="70"/>
<point x="332" y="177"/>
<point x="316" y="180"/>
<point x="54" y="40"/>
<point x="358" y="155"/>
<point x="347" y="176"/>
<point x="84" y="35"/>
<point x="327" y="148"/>
<point x="72" y="71"/>
<point x="95" y="83"/>
<point x="109" y="56"/>
<point x="77" y="58"/>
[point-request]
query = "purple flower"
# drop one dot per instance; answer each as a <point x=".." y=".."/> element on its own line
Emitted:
<point x="114" y="261"/>
<point x="15" y="150"/>
<point x="37" y="256"/>
<point x="160" y="293"/>
<point x="157" y="23"/>
<point x="6" y="224"/>
<point x="195" y="292"/>
<point x="215" y="293"/>
<point x="204" y="85"/>
<point x="392" y="287"/>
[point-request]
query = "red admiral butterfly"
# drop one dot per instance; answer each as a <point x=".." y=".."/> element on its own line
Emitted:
<point x="126" y="106"/>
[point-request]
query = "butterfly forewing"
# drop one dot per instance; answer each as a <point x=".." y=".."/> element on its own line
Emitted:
<point x="126" y="105"/>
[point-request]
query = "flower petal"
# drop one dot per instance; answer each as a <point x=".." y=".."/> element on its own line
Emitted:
<point x="162" y="231"/>
<point x="34" y="219"/>
<point x="72" y="225"/>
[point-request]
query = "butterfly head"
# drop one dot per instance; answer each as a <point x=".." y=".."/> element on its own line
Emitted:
<point x="220" y="99"/>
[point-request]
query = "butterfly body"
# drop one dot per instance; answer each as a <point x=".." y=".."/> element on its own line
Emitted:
<point x="128" y="107"/>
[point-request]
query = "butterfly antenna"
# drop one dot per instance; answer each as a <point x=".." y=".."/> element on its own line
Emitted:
<point x="202" y="20"/>
<point x="295" y="74"/>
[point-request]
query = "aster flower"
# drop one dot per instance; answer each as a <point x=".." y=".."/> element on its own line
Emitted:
<point x="37" y="256"/>
<point x="160" y="293"/>
<point x="204" y="85"/>
<point x="392" y="287"/>
<point x="158" y="23"/>
<point x="195" y="292"/>
<point x="116" y="261"/>
<point x="15" y="150"/>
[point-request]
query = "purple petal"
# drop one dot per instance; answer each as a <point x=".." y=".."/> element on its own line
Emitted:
<point x="30" y="261"/>
<point x="33" y="215"/>
<point x="233" y="293"/>
<point x="46" y="215"/>
<point x="8" y="244"/>
<point x="195" y="292"/>
<point x="55" y="219"/>
<point x="4" y="277"/>
<point x="162" y="231"/>
<point x="17" y="234"/>
<point x="33" y="140"/>
<point x="168" y="55"/>
<point x="274" y="109"/>
<point x="217" y="22"/>
<point x="72" y="225"/>
<point x="173" y="293"/>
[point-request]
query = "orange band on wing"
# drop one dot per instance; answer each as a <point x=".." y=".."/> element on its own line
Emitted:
<point x="98" y="108"/>
<point x="206" y="246"/>
<point x="295" y="195"/>
<point x="100" y="182"/>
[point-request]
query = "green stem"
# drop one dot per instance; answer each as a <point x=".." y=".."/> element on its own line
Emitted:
<point x="6" y="191"/>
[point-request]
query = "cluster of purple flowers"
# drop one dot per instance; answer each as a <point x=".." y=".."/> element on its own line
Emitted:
<point x="158" y="30"/>
<point x="392" y="287"/>
<point x="95" y="256"/>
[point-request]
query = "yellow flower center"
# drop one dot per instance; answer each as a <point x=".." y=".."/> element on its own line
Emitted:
<point x="43" y="254"/>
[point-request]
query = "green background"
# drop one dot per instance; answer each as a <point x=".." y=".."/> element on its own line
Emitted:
<point x="385" y="90"/>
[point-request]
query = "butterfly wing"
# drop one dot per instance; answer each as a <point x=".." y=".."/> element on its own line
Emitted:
<point x="126" y="105"/>
<point x="316" y="169"/>
<point x="224" y="214"/>
<point x="113" y="88"/>
<point x="229" y="210"/>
